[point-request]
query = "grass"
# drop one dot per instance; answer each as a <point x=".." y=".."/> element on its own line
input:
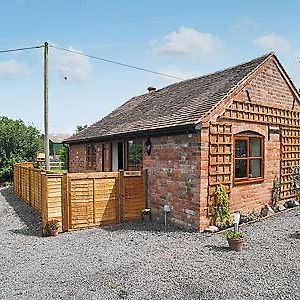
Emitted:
<point x="57" y="170"/>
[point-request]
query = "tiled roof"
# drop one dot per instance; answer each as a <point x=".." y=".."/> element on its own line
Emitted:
<point x="58" y="138"/>
<point x="182" y="103"/>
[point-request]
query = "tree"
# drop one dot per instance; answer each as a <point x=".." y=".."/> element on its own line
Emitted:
<point x="80" y="128"/>
<point x="18" y="142"/>
<point x="64" y="155"/>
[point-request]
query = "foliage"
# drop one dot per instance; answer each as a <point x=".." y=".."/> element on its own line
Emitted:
<point x="222" y="208"/>
<point x="231" y="235"/>
<point x="276" y="190"/>
<point x="253" y="216"/>
<point x="18" y="142"/>
<point x="80" y="128"/>
<point x="296" y="176"/>
<point x="64" y="155"/>
<point x="135" y="153"/>
<point x="52" y="225"/>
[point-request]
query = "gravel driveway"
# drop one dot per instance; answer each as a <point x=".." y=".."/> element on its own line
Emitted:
<point x="134" y="261"/>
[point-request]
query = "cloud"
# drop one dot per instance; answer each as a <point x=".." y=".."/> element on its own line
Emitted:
<point x="244" y="24"/>
<point x="75" y="67"/>
<point x="188" y="42"/>
<point x="273" y="42"/>
<point x="11" y="68"/>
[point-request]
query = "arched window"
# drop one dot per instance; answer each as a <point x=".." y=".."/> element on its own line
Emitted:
<point x="248" y="157"/>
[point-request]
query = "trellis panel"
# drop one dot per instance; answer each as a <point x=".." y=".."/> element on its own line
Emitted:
<point x="290" y="156"/>
<point x="258" y="113"/>
<point x="288" y="121"/>
<point x="220" y="160"/>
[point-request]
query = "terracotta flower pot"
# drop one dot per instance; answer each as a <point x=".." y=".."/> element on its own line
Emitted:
<point x="53" y="232"/>
<point x="236" y="244"/>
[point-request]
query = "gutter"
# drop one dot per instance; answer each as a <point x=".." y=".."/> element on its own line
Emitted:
<point x="172" y="130"/>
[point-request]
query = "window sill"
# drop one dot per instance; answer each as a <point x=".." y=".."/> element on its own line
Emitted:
<point x="248" y="181"/>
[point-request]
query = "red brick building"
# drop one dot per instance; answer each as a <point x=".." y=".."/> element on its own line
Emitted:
<point x="238" y="127"/>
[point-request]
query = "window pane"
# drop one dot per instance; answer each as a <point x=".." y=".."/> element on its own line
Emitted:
<point x="131" y="153"/>
<point x="135" y="153"/>
<point x="255" y="168"/>
<point x="94" y="150"/>
<point x="240" y="168"/>
<point x="255" y="147"/>
<point x="240" y="148"/>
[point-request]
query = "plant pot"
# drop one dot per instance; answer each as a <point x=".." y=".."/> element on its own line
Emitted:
<point x="236" y="244"/>
<point x="147" y="218"/>
<point x="53" y="232"/>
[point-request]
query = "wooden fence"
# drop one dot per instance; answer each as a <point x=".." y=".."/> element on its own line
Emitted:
<point x="39" y="189"/>
<point x="80" y="200"/>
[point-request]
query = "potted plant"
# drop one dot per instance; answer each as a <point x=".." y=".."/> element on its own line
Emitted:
<point x="51" y="227"/>
<point x="146" y="214"/>
<point x="235" y="239"/>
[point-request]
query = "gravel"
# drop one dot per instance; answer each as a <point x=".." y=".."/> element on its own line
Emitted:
<point x="143" y="261"/>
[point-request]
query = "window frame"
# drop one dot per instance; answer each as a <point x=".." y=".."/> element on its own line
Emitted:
<point x="91" y="156"/>
<point x="135" y="142"/>
<point x="246" y="137"/>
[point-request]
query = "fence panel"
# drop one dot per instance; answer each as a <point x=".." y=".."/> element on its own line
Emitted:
<point x="80" y="200"/>
<point x="54" y="196"/>
<point x="92" y="199"/>
<point x="134" y="200"/>
<point x="106" y="200"/>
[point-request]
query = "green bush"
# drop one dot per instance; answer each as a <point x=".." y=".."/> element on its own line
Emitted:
<point x="18" y="142"/>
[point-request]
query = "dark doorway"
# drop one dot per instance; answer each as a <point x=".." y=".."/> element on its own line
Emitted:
<point x="103" y="157"/>
<point x="120" y="156"/>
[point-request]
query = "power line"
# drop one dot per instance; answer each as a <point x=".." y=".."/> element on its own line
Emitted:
<point x="94" y="57"/>
<point x="116" y="62"/>
<point x="21" y="49"/>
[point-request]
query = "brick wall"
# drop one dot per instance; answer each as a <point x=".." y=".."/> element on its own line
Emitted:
<point x="173" y="172"/>
<point x="268" y="87"/>
<point x="78" y="158"/>
<point x="249" y="197"/>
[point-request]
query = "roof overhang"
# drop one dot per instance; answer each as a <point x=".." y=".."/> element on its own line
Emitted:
<point x="172" y="130"/>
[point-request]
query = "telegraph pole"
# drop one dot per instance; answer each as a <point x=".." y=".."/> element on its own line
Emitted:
<point x="46" y="107"/>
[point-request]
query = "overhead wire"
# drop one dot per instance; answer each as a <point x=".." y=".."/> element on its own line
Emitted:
<point x="94" y="57"/>
<point x="116" y="62"/>
<point x="21" y="49"/>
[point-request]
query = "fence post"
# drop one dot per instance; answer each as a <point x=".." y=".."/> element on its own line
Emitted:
<point x="121" y="197"/>
<point x="65" y="202"/>
<point x="145" y="186"/>
<point x="29" y="186"/>
<point x="44" y="200"/>
<point x="94" y="213"/>
<point x="19" y="181"/>
<point x="69" y="197"/>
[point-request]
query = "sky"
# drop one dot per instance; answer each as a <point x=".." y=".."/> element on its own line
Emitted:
<point x="181" y="38"/>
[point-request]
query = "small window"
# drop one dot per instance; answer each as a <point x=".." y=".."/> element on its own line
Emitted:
<point x="249" y="159"/>
<point x="135" y="154"/>
<point x="91" y="156"/>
